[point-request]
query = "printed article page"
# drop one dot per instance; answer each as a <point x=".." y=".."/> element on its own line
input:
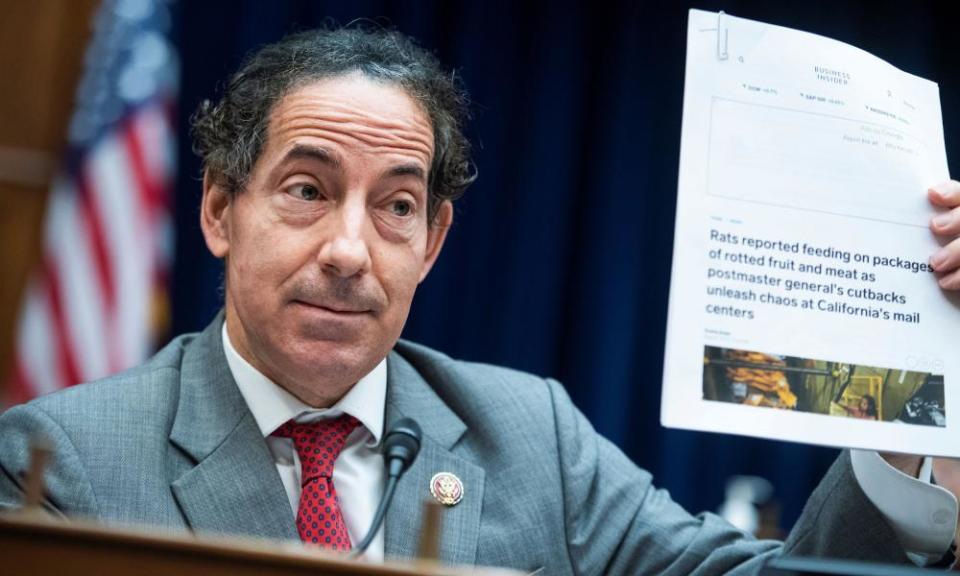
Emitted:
<point x="802" y="306"/>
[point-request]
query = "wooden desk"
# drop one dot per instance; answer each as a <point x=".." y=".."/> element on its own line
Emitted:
<point x="40" y="547"/>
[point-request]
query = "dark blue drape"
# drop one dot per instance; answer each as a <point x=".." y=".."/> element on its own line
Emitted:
<point x="559" y="259"/>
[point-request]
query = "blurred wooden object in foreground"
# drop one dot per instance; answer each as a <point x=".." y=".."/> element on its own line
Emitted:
<point x="41" y="48"/>
<point x="43" y="547"/>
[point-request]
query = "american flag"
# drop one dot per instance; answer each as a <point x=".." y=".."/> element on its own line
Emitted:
<point x="97" y="299"/>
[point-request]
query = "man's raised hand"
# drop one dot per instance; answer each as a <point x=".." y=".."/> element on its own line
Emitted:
<point x="946" y="225"/>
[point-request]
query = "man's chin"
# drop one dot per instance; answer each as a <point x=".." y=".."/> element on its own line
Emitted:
<point x="331" y="361"/>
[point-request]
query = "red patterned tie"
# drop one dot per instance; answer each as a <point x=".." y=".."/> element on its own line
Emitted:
<point x="318" y="444"/>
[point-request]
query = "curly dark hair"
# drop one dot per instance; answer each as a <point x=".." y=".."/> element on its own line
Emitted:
<point x="230" y="135"/>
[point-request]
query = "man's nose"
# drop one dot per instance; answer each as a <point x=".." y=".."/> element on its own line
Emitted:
<point x="345" y="253"/>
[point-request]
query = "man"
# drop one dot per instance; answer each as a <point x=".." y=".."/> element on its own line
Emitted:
<point x="330" y="166"/>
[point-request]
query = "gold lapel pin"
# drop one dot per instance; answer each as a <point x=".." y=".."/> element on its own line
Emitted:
<point x="446" y="488"/>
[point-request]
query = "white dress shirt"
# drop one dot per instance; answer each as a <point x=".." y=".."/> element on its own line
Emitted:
<point x="358" y="474"/>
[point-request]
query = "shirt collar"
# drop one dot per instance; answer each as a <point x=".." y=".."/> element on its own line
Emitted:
<point x="272" y="406"/>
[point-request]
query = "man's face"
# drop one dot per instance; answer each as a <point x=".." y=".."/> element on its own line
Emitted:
<point x="326" y="245"/>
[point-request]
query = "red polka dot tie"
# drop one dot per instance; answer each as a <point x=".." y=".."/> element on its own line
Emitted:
<point x="318" y="444"/>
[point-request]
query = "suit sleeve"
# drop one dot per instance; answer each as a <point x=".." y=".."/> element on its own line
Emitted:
<point x="839" y="521"/>
<point x="68" y="489"/>
<point x="617" y="522"/>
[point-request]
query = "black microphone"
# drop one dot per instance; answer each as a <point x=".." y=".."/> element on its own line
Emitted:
<point x="400" y="448"/>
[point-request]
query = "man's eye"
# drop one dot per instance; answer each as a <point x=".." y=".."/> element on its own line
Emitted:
<point x="304" y="191"/>
<point x="401" y="208"/>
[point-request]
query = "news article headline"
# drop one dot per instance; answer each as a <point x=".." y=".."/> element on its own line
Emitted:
<point x="754" y="272"/>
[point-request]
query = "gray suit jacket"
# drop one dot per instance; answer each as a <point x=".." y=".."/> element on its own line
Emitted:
<point x="172" y="444"/>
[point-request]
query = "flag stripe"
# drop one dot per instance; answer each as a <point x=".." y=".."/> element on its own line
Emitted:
<point x="145" y="183"/>
<point x="19" y="389"/>
<point x="70" y="374"/>
<point x="36" y="345"/>
<point x="114" y="186"/>
<point x="101" y="260"/>
<point x="82" y="295"/>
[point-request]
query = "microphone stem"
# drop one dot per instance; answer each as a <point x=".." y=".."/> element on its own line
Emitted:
<point x="360" y="548"/>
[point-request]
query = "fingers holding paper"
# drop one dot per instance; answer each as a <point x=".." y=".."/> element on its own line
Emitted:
<point x="946" y="225"/>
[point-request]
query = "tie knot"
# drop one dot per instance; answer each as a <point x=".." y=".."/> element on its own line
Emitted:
<point x="318" y="443"/>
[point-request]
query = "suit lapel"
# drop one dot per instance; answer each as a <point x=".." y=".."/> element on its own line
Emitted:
<point x="409" y="395"/>
<point x="234" y="486"/>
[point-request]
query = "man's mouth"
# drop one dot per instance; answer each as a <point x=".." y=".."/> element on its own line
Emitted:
<point x="334" y="308"/>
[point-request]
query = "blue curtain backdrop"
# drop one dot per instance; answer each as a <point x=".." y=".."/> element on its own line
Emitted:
<point x="559" y="259"/>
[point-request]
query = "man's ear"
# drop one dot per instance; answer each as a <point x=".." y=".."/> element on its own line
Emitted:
<point x="436" y="234"/>
<point x="214" y="212"/>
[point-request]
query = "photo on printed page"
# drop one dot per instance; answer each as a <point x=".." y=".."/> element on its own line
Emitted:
<point x="824" y="387"/>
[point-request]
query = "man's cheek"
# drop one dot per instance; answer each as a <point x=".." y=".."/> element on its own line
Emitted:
<point x="400" y="285"/>
<point x="271" y="259"/>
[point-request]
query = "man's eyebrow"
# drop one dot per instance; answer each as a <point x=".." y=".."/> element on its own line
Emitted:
<point x="307" y="152"/>
<point x="409" y="169"/>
